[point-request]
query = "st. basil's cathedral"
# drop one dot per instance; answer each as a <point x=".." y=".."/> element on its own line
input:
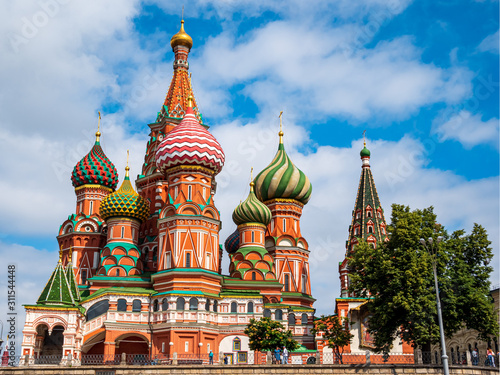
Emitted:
<point x="140" y="270"/>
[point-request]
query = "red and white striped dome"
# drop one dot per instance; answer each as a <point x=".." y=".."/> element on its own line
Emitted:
<point x="190" y="144"/>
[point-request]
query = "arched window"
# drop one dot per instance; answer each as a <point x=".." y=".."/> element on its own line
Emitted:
<point x="117" y="272"/>
<point x="188" y="260"/>
<point x="291" y="319"/>
<point x="136" y="305"/>
<point x="370" y="229"/>
<point x="284" y="225"/>
<point x="121" y="305"/>
<point x="250" y="307"/>
<point x="303" y="319"/>
<point x="267" y="313"/>
<point x="278" y="315"/>
<point x="207" y="305"/>
<point x="193" y="304"/>
<point x="164" y="305"/>
<point x="97" y="309"/>
<point x="190" y="192"/>
<point x="236" y="344"/>
<point x="234" y="307"/>
<point x="287" y="283"/>
<point x="155" y="305"/>
<point x="254" y="276"/>
<point x="216" y="304"/>
<point x="180" y="303"/>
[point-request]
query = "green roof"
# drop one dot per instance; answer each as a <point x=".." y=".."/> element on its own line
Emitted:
<point x="59" y="290"/>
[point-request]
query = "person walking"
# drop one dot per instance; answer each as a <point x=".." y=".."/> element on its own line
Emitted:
<point x="491" y="359"/>
<point x="475" y="357"/>
<point x="277" y="355"/>
<point x="285" y="355"/>
<point x="225" y="359"/>
<point x="211" y="358"/>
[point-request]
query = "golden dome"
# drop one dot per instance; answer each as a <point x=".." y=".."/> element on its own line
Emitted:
<point x="181" y="38"/>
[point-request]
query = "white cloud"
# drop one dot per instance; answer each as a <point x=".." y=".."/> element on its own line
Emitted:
<point x="468" y="129"/>
<point x="293" y="64"/>
<point x="490" y="44"/>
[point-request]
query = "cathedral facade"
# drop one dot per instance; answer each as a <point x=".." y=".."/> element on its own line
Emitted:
<point x="140" y="267"/>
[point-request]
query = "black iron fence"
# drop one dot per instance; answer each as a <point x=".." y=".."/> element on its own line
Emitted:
<point x="249" y="358"/>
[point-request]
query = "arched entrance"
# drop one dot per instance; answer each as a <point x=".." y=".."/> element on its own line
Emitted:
<point x="135" y="346"/>
<point x="94" y="345"/>
<point x="51" y="343"/>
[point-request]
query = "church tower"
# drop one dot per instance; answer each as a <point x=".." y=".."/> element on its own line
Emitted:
<point x="189" y="157"/>
<point x="94" y="177"/>
<point x="368" y="221"/>
<point x="285" y="190"/>
<point x="151" y="183"/>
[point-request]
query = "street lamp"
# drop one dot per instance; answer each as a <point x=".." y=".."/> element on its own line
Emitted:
<point x="432" y="250"/>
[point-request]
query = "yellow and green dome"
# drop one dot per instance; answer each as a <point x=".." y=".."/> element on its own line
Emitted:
<point x="124" y="202"/>
<point x="282" y="179"/>
<point x="251" y="210"/>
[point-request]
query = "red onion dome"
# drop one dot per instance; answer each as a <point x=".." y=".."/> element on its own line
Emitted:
<point x="95" y="169"/>
<point x="189" y="143"/>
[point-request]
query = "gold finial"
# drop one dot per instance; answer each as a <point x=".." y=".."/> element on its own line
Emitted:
<point x="364" y="138"/>
<point x="60" y="254"/>
<point x="127" y="167"/>
<point x="190" y="101"/>
<point x="281" y="127"/>
<point x="252" y="184"/>
<point x="69" y="254"/>
<point x="98" y="133"/>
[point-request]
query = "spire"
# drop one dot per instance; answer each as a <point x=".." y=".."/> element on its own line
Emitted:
<point x="127" y="168"/>
<point x="98" y="133"/>
<point x="281" y="128"/>
<point x="176" y="101"/>
<point x="70" y="276"/>
<point x="368" y="217"/>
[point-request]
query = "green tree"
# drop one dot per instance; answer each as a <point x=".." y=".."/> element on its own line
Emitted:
<point x="397" y="276"/>
<point x="266" y="335"/>
<point x="335" y="332"/>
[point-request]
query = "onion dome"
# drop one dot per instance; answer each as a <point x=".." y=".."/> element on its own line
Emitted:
<point x="124" y="202"/>
<point x="232" y="243"/>
<point x="95" y="169"/>
<point x="181" y="38"/>
<point x="189" y="143"/>
<point x="282" y="179"/>
<point x="251" y="210"/>
<point x="364" y="152"/>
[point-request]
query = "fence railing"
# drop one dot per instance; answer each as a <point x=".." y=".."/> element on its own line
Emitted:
<point x="250" y="358"/>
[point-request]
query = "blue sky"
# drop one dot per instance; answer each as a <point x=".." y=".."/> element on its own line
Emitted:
<point x="420" y="76"/>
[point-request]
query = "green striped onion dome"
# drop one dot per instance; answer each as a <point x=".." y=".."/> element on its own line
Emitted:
<point x="282" y="179"/>
<point x="251" y="210"/>
<point x="95" y="169"/>
<point x="124" y="202"/>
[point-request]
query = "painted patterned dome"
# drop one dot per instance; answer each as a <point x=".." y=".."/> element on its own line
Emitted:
<point x="95" y="169"/>
<point x="232" y="243"/>
<point x="124" y="202"/>
<point x="282" y="179"/>
<point x="251" y="210"/>
<point x="189" y="143"/>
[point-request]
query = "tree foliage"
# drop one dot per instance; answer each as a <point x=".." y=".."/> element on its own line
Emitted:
<point x="335" y="331"/>
<point x="398" y="278"/>
<point x="266" y="335"/>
